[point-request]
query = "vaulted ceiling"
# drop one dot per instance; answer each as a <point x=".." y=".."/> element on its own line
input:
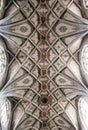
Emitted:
<point x="43" y="65"/>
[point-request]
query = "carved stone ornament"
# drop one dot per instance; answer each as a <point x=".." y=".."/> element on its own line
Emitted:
<point x="43" y="64"/>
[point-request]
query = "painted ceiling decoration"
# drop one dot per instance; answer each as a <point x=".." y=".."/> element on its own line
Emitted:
<point x="43" y="65"/>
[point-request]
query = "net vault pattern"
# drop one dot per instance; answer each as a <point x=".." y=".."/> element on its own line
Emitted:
<point x="43" y="70"/>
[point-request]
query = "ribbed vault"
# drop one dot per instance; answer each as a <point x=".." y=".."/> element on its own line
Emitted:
<point x="43" y="65"/>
